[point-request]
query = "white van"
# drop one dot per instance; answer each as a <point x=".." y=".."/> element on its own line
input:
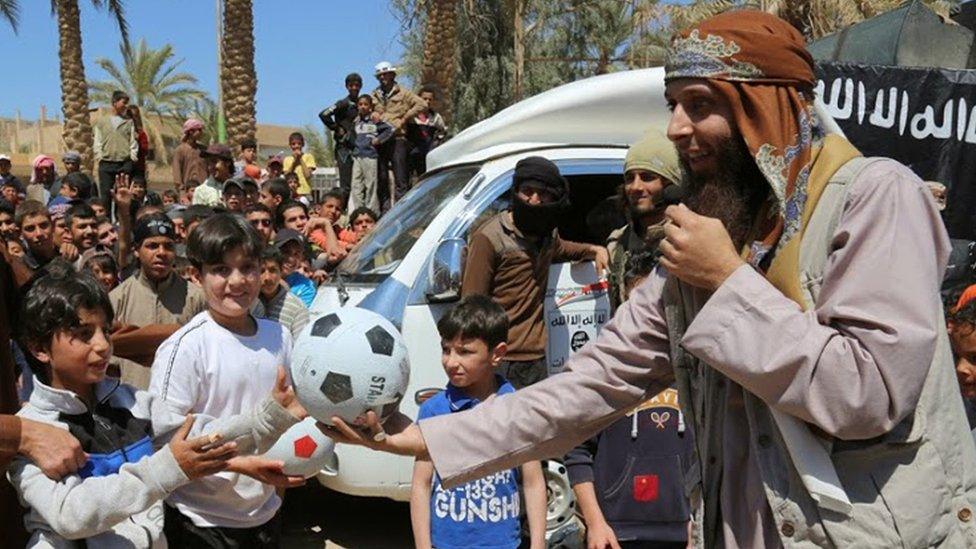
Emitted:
<point x="409" y="268"/>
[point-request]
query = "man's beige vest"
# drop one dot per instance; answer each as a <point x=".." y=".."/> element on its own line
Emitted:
<point x="912" y="487"/>
<point x="116" y="142"/>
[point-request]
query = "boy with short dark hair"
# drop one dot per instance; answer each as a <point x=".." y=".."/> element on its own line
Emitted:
<point x="370" y="136"/>
<point x="187" y="190"/>
<point x="300" y="163"/>
<point x="473" y="337"/>
<point x="97" y="205"/>
<point x="74" y="186"/>
<point x="274" y="192"/>
<point x="291" y="244"/>
<point x="170" y="197"/>
<point x="248" y="157"/>
<point x="115" y="500"/>
<point x="280" y="305"/>
<point x="218" y="364"/>
<point x="8" y="224"/>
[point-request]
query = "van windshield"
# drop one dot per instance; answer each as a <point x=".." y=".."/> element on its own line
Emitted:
<point x="378" y="255"/>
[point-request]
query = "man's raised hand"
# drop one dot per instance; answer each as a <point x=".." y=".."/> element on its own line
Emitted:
<point x="697" y="249"/>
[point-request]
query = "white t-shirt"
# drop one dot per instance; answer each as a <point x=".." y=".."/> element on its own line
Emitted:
<point x="206" y="369"/>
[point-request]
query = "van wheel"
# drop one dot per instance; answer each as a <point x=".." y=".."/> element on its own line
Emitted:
<point x="563" y="528"/>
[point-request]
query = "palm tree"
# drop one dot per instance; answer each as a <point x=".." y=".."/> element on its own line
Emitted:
<point x="815" y="18"/>
<point x="151" y="79"/>
<point x="77" y="131"/>
<point x="440" y="49"/>
<point x="238" y="79"/>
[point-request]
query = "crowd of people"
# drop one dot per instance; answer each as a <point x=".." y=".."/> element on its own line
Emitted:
<point x="776" y="373"/>
<point x="106" y="278"/>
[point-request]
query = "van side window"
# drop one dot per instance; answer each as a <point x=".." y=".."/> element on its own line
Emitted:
<point x="500" y="204"/>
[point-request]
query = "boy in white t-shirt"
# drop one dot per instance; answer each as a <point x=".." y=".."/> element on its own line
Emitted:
<point x="219" y="364"/>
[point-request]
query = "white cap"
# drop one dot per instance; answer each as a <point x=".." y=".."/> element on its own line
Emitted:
<point x="4" y="157"/>
<point x="384" y="66"/>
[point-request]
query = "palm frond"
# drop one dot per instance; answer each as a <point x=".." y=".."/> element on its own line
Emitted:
<point x="10" y="10"/>
<point x="116" y="8"/>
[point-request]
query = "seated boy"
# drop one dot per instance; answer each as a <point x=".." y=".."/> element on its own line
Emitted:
<point x="115" y="500"/>
<point x="629" y="479"/>
<point x="219" y="364"/>
<point x="484" y="512"/>
<point x="280" y="305"/>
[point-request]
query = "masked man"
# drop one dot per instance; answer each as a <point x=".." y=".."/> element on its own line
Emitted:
<point x="797" y="310"/>
<point x="509" y="258"/>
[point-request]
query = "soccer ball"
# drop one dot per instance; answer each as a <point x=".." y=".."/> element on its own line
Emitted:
<point x="305" y="450"/>
<point x="348" y="362"/>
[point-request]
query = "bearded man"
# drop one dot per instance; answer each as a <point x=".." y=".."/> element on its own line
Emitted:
<point x="814" y="365"/>
<point x="650" y="166"/>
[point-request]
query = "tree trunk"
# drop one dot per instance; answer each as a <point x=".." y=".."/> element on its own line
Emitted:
<point x="518" y="74"/>
<point x="239" y="81"/>
<point x="77" y="131"/>
<point x="440" y="45"/>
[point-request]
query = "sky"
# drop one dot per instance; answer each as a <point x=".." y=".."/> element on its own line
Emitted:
<point x="303" y="50"/>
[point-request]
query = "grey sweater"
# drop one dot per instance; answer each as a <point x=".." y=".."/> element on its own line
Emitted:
<point x="124" y="509"/>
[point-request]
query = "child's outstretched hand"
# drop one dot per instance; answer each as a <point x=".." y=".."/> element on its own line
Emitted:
<point x="284" y="394"/>
<point x="201" y="456"/>
<point x="268" y="471"/>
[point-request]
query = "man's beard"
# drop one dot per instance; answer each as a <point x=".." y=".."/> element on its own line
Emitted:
<point x="734" y="195"/>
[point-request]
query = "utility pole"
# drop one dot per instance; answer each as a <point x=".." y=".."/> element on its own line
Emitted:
<point x="221" y="123"/>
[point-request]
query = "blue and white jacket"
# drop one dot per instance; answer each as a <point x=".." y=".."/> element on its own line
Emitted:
<point x="116" y="499"/>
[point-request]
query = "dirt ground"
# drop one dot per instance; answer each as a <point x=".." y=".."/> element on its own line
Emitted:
<point x="315" y="517"/>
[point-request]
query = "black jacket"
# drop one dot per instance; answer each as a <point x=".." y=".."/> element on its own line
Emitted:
<point x="340" y="117"/>
<point x="638" y="466"/>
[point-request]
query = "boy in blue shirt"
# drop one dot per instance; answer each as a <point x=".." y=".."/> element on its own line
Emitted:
<point x="483" y="513"/>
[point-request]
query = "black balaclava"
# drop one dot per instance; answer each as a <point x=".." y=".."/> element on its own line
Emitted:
<point x="539" y="220"/>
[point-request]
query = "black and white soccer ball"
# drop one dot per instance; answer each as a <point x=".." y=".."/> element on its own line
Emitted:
<point x="347" y="362"/>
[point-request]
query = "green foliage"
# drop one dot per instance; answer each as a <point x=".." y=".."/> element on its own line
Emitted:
<point x="318" y="144"/>
<point x="154" y="83"/>
<point x="566" y="40"/>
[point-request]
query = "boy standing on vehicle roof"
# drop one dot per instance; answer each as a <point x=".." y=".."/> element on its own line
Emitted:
<point x="509" y="259"/>
<point x="340" y="117"/>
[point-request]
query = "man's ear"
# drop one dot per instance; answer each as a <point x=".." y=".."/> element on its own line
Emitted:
<point x="498" y="353"/>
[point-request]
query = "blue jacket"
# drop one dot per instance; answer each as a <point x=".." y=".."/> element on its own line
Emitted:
<point x="637" y="466"/>
<point x="366" y="130"/>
